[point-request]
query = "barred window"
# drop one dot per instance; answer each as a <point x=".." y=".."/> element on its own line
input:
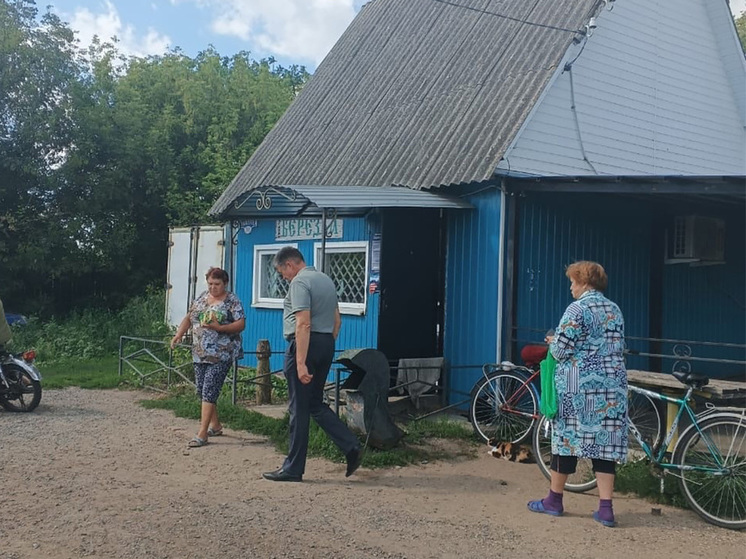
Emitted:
<point x="347" y="266"/>
<point x="269" y="287"/>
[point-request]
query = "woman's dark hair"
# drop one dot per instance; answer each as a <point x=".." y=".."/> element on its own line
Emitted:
<point x="219" y="274"/>
<point x="589" y="273"/>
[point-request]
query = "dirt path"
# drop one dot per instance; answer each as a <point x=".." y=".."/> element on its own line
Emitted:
<point x="93" y="474"/>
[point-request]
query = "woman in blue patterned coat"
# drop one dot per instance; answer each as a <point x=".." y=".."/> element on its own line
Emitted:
<point x="591" y="383"/>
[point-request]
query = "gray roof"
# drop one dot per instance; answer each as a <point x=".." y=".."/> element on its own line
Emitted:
<point x="417" y="93"/>
<point x="351" y="200"/>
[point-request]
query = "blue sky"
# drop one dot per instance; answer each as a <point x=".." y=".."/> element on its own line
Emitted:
<point x="291" y="31"/>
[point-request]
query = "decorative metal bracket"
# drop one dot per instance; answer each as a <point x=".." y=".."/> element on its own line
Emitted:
<point x="263" y="200"/>
<point x="247" y="225"/>
<point x="331" y="217"/>
<point x="682" y="365"/>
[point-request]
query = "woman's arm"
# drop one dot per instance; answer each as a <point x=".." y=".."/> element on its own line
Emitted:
<point x="183" y="328"/>
<point x="231" y="328"/>
<point x="567" y="333"/>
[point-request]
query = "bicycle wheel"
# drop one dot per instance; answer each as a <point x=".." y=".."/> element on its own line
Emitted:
<point x="504" y="407"/>
<point x="584" y="479"/>
<point x="645" y="415"/>
<point x="713" y="453"/>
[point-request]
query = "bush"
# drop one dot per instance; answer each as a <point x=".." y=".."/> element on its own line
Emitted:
<point x="93" y="332"/>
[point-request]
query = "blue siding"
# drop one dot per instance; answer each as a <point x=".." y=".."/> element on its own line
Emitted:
<point x="261" y="323"/>
<point x="555" y="231"/>
<point x="470" y="331"/>
<point x="707" y="303"/>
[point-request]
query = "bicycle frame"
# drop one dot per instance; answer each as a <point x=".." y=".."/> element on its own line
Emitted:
<point x="507" y="405"/>
<point x="683" y="405"/>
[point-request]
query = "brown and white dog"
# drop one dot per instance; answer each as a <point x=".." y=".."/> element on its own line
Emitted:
<point x="510" y="451"/>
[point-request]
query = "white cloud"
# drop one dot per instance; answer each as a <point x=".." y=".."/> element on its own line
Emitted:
<point x="108" y="24"/>
<point x="297" y="29"/>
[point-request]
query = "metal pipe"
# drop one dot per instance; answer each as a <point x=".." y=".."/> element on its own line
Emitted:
<point x="501" y="275"/>
<point x="322" y="262"/>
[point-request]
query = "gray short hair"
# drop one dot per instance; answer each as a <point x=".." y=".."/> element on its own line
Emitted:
<point x="285" y="254"/>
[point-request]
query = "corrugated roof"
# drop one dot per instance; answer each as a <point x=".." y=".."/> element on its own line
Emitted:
<point x="294" y="200"/>
<point x="417" y="93"/>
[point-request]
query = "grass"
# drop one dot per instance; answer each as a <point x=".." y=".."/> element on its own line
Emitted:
<point x="100" y="373"/>
<point x="410" y="451"/>
<point x="640" y="479"/>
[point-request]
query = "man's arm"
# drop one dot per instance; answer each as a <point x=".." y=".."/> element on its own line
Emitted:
<point x="337" y="323"/>
<point x="302" y="341"/>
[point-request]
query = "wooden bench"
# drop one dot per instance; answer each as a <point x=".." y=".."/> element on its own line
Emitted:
<point x="721" y="391"/>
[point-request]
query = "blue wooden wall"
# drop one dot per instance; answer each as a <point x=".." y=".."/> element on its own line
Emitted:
<point x="470" y="330"/>
<point x="557" y="230"/>
<point x="708" y="304"/>
<point x="262" y="323"/>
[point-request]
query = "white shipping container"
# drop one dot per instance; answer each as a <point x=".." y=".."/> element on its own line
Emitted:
<point x="191" y="252"/>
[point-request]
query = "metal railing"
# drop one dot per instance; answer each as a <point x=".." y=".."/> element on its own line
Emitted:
<point x="159" y="367"/>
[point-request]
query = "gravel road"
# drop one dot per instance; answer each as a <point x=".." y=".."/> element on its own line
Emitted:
<point x="94" y="474"/>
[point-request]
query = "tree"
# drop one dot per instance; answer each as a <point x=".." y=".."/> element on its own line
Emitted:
<point x="741" y="28"/>
<point x="99" y="155"/>
<point x="38" y="71"/>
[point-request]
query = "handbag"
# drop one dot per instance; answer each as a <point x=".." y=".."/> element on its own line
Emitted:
<point x="548" y="406"/>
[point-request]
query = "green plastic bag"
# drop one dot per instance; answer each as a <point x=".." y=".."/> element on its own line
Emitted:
<point x="548" y="405"/>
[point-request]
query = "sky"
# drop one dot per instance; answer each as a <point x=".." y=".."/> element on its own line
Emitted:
<point x="291" y="31"/>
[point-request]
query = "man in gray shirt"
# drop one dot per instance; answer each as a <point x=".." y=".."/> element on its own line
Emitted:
<point x="311" y="324"/>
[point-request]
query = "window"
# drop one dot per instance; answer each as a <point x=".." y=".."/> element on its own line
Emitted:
<point x="347" y="265"/>
<point x="269" y="288"/>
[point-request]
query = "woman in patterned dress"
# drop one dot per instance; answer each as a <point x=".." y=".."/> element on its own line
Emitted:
<point x="591" y="383"/>
<point x="217" y="319"/>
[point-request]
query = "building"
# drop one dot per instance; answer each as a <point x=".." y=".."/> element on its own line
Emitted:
<point x="461" y="153"/>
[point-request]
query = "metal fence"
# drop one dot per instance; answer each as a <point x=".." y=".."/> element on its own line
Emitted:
<point x="159" y="367"/>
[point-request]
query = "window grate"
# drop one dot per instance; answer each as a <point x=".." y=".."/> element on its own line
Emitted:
<point x="273" y="285"/>
<point x="347" y="270"/>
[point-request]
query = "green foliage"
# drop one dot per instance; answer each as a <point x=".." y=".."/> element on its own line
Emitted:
<point x="441" y="428"/>
<point x="741" y="28"/>
<point x="99" y="155"/>
<point x="246" y="386"/>
<point x="91" y="333"/>
<point x="100" y="373"/>
<point x="639" y="479"/>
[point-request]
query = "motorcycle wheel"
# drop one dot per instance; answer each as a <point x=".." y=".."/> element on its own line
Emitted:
<point x="23" y="393"/>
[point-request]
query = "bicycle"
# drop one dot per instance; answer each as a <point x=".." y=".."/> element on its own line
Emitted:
<point x="504" y="402"/>
<point x="709" y="457"/>
<point x="505" y="406"/>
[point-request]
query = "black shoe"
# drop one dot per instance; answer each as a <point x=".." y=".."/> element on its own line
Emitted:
<point x="354" y="458"/>
<point x="281" y="475"/>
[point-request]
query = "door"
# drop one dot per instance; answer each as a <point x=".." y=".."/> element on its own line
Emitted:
<point x="412" y="283"/>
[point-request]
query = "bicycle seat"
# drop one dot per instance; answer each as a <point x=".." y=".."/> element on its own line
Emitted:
<point x="692" y="379"/>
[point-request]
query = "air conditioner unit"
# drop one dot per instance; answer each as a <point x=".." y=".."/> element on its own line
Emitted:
<point x="697" y="239"/>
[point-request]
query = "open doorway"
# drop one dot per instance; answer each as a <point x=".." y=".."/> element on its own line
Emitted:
<point x="412" y="283"/>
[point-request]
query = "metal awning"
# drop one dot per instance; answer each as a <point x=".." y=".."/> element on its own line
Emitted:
<point x="287" y="200"/>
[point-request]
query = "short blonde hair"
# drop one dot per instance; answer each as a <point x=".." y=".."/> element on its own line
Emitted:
<point x="589" y="273"/>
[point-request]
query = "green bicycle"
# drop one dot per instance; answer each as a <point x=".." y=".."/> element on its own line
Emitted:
<point x="709" y="457"/>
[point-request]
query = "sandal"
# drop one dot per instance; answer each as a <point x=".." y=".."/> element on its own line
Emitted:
<point x="538" y="506"/>
<point x="214" y="432"/>
<point x="196" y="442"/>
<point x="607" y="523"/>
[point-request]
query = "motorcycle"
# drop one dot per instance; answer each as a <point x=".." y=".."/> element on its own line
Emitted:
<point x="20" y="381"/>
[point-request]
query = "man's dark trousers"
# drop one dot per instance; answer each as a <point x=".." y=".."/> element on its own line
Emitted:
<point x="306" y="401"/>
